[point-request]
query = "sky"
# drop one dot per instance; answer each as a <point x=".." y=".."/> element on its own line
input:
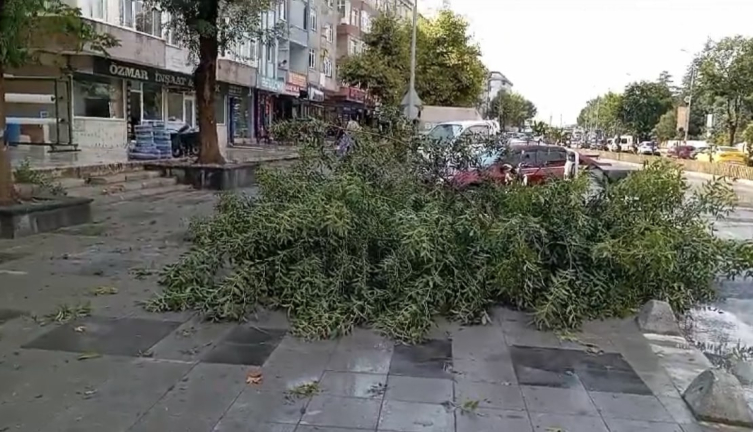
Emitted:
<point x="561" y="53"/>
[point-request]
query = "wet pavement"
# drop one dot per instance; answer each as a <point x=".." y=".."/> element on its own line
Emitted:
<point x="115" y="367"/>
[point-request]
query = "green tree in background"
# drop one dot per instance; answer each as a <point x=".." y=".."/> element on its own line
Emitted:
<point x="725" y="75"/>
<point x="603" y="113"/>
<point x="208" y="28"/>
<point x="449" y="71"/>
<point x="643" y="103"/>
<point x="29" y="29"/>
<point x="512" y="109"/>
<point x="666" y="129"/>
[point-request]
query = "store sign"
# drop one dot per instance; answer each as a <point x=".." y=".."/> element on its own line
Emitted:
<point x="236" y="91"/>
<point x="297" y="79"/>
<point x="103" y="66"/>
<point x="292" y="90"/>
<point x="271" y="84"/>
<point x="315" y="94"/>
<point x="356" y="95"/>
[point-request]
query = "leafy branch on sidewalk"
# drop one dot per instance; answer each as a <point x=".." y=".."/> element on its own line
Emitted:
<point x="374" y="239"/>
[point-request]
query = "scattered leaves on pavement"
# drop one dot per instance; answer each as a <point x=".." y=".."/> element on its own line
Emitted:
<point x="304" y="390"/>
<point x="79" y="329"/>
<point x="254" y="376"/>
<point x="104" y="290"/>
<point x="66" y="313"/>
<point x="89" y="356"/>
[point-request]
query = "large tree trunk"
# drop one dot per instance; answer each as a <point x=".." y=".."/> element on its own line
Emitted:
<point x="8" y="193"/>
<point x="205" y="79"/>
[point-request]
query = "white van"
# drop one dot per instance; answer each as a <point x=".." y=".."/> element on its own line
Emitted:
<point x="626" y="143"/>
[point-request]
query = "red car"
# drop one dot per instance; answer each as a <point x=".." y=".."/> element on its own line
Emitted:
<point x="681" y="152"/>
<point x="534" y="163"/>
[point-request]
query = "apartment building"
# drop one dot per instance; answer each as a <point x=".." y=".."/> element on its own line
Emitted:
<point x="100" y="99"/>
<point x="354" y="22"/>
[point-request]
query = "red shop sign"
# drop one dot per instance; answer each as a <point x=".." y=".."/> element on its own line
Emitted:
<point x="356" y="94"/>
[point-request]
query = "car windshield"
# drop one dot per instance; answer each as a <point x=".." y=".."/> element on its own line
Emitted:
<point x="445" y="131"/>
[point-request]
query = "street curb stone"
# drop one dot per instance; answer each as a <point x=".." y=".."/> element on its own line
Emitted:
<point x="657" y="317"/>
<point x="716" y="396"/>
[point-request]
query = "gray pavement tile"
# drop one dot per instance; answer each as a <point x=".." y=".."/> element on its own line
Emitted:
<point x="630" y="407"/>
<point x="567" y="423"/>
<point x="612" y="381"/>
<point x="350" y="384"/>
<point x="253" y="426"/>
<point x="126" y="336"/>
<point x="191" y="340"/>
<point x="678" y="409"/>
<point x="256" y="406"/>
<point x="307" y="428"/>
<point x="620" y="425"/>
<point x="245" y="345"/>
<point x="431" y="359"/>
<point x="34" y="382"/>
<point x="490" y="395"/>
<point x="478" y="342"/>
<point x="415" y="417"/>
<point x="412" y="389"/>
<point x="9" y="314"/>
<point x="709" y="427"/>
<point x="364" y="360"/>
<point x="660" y="384"/>
<point x="527" y="336"/>
<point x="117" y="404"/>
<point x="292" y="343"/>
<point x="481" y="370"/>
<point x="342" y="412"/>
<point x="558" y="401"/>
<point x="197" y="402"/>
<point x="487" y="420"/>
<point x="286" y="369"/>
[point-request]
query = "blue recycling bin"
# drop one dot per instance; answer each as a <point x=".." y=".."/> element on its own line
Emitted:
<point x="12" y="133"/>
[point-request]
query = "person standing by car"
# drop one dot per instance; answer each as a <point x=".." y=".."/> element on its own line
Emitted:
<point x="347" y="140"/>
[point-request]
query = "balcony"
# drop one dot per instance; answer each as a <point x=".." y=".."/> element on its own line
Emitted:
<point x="298" y="36"/>
<point x="348" y="30"/>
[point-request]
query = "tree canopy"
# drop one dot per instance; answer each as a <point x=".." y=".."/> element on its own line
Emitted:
<point x="666" y="128"/>
<point x="449" y="71"/>
<point x="643" y="104"/>
<point x="208" y="28"/>
<point x="29" y="28"/>
<point x="602" y="113"/>
<point x="512" y="109"/>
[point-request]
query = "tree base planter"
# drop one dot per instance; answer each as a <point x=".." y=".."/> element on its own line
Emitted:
<point x="43" y="215"/>
<point x="232" y="175"/>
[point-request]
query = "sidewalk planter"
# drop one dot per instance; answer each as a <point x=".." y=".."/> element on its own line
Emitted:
<point x="717" y="169"/>
<point x="232" y="175"/>
<point x="43" y="215"/>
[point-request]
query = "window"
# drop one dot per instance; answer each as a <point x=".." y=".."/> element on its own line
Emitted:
<point x="329" y="33"/>
<point x="152" y="101"/>
<point x="327" y="67"/>
<point x="141" y="17"/>
<point x="365" y="21"/>
<point x="270" y="52"/>
<point x="354" y="18"/>
<point x="550" y="156"/>
<point x="98" y="97"/>
<point x="174" y="105"/>
<point x="342" y="8"/>
<point x="313" y="21"/>
<point x="93" y="9"/>
<point x="282" y="11"/>
<point x="312" y="59"/>
<point x="352" y="47"/>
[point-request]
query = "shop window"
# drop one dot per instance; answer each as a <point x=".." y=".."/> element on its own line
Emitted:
<point x="240" y="117"/>
<point x="98" y="97"/>
<point x="312" y="59"/>
<point x="174" y="106"/>
<point x="152" y="95"/>
<point x="141" y="17"/>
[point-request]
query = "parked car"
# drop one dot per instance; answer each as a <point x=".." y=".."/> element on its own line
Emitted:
<point x="722" y="155"/>
<point x="681" y="152"/>
<point x="532" y="164"/>
<point x="648" y="148"/>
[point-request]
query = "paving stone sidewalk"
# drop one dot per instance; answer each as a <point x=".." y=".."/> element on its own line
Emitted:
<point x="124" y="369"/>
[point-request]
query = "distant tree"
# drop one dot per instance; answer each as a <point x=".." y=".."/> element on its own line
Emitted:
<point x="725" y="74"/>
<point x="539" y="128"/>
<point x="643" y="103"/>
<point x="25" y="25"/>
<point x="603" y="113"/>
<point x="449" y="71"/>
<point x="208" y="28"/>
<point x="666" y="129"/>
<point x="511" y="109"/>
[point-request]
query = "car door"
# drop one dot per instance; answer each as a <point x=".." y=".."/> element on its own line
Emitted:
<point x="551" y="163"/>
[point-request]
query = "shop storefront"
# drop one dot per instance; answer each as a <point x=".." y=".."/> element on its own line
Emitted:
<point x="137" y="93"/>
<point x="240" y="115"/>
<point x="315" y="106"/>
<point x="267" y="93"/>
<point x="289" y="105"/>
<point x="349" y="101"/>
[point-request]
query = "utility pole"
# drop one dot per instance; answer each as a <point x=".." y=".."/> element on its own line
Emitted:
<point x="690" y="101"/>
<point x="411" y="100"/>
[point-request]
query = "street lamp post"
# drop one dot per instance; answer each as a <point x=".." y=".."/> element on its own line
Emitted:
<point x="690" y="96"/>
<point x="412" y="100"/>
